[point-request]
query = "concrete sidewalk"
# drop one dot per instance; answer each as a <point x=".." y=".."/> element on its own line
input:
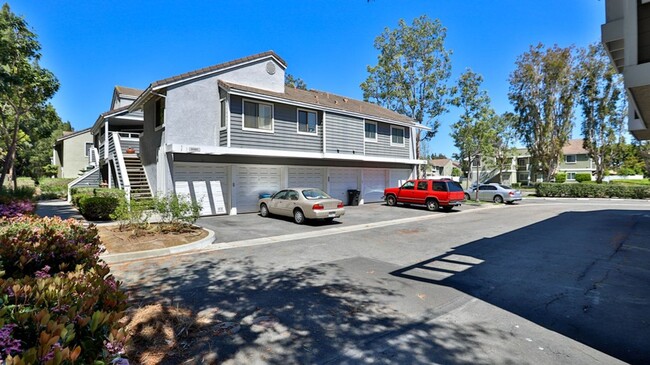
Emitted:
<point x="58" y="208"/>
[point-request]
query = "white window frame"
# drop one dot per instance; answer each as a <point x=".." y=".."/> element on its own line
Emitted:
<point x="223" y="102"/>
<point x="376" y="132"/>
<point x="403" y="136"/>
<point x="575" y="159"/>
<point x="87" y="150"/>
<point x="569" y="174"/>
<point x="243" y="117"/>
<point x="315" y="133"/>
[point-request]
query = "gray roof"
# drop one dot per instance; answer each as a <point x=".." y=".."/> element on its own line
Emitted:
<point x="216" y="67"/>
<point x="128" y="91"/>
<point x="325" y="99"/>
<point x="72" y="134"/>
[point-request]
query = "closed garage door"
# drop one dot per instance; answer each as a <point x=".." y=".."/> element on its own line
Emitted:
<point x="252" y="181"/>
<point x="397" y="177"/>
<point x="342" y="180"/>
<point x="306" y="177"/>
<point x="204" y="183"/>
<point x="374" y="183"/>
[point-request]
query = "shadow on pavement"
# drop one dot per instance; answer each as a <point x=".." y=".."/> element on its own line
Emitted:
<point x="243" y="314"/>
<point x="584" y="275"/>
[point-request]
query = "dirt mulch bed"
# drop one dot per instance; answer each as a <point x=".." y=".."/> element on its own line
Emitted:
<point x="117" y="241"/>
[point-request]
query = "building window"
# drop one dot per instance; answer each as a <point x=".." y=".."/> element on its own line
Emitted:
<point x="224" y="113"/>
<point x="570" y="158"/>
<point x="570" y="175"/>
<point x="307" y="122"/>
<point x="258" y="116"/>
<point x="371" y="131"/>
<point x="522" y="177"/>
<point x="160" y="113"/>
<point x="396" y="136"/>
<point x="521" y="163"/>
<point x="87" y="148"/>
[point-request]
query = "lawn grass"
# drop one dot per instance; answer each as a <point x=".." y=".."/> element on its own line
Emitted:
<point x="632" y="182"/>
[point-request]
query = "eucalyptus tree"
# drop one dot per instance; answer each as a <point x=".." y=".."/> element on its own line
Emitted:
<point x="543" y="90"/>
<point x="503" y="143"/>
<point x="24" y="85"/>
<point x="603" y="103"/>
<point x="412" y="71"/>
<point x="473" y="133"/>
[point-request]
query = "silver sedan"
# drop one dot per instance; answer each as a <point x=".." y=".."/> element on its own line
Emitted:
<point x="494" y="192"/>
<point x="301" y="204"/>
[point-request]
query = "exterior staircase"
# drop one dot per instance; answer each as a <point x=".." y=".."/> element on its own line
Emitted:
<point x="137" y="178"/>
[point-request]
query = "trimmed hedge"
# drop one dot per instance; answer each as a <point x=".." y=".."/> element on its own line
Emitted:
<point x="592" y="191"/>
<point x="97" y="203"/>
<point x="560" y="177"/>
<point x="583" y="176"/>
<point x="52" y="188"/>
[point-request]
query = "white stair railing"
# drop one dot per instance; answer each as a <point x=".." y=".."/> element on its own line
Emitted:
<point x="119" y="159"/>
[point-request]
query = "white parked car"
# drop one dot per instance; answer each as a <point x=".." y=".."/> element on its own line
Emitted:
<point x="494" y="192"/>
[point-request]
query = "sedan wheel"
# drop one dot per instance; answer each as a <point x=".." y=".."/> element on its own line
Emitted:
<point x="264" y="210"/>
<point x="498" y="199"/>
<point x="467" y="197"/>
<point x="432" y="205"/>
<point x="298" y="216"/>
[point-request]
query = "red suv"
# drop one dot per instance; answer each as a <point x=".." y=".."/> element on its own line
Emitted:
<point x="435" y="194"/>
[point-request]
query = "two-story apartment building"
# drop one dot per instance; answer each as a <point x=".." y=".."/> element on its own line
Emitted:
<point x="575" y="160"/>
<point x="72" y="153"/>
<point x="626" y="36"/>
<point x="227" y="133"/>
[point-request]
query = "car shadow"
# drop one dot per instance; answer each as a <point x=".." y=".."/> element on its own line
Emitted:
<point x="308" y="222"/>
<point x="581" y="274"/>
<point x="422" y="208"/>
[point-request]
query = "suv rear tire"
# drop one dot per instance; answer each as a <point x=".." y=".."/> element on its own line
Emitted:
<point x="432" y="205"/>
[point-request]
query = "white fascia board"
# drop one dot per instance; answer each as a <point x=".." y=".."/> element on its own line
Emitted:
<point x="215" y="150"/>
<point x="276" y="99"/>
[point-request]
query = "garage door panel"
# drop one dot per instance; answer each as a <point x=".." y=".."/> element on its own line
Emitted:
<point x="254" y="180"/>
<point x="203" y="183"/>
<point x="374" y="183"/>
<point x="398" y="177"/>
<point x="311" y="177"/>
<point x="342" y="180"/>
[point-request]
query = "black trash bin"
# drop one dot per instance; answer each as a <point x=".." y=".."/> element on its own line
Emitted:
<point x="353" y="197"/>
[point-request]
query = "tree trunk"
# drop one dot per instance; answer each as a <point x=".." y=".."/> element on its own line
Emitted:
<point x="11" y="152"/>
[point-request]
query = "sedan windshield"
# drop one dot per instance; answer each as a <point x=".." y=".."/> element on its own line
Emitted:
<point x="312" y="194"/>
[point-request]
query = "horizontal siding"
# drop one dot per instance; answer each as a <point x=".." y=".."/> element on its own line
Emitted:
<point x="344" y="134"/>
<point x="92" y="180"/>
<point x="382" y="147"/>
<point x="135" y="144"/>
<point x="582" y="162"/>
<point x="285" y="135"/>
<point x="223" y="138"/>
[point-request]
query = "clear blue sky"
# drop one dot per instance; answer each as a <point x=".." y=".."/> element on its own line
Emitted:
<point x="91" y="46"/>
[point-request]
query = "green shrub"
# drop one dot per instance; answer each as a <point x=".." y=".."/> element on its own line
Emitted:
<point x="64" y="318"/>
<point x="626" y="171"/>
<point x="29" y="244"/>
<point x="516" y="185"/>
<point x="177" y="211"/>
<point x="21" y="193"/>
<point x="560" y="177"/>
<point x="592" y="191"/>
<point x="583" y="176"/>
<point x="134" y="215"/>
<point x="116" y="193"/>
<point x="96" y="208"/>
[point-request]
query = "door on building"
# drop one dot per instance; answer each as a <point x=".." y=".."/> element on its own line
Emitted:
<point x="254" y="180"/>
<point x="306" y="177"/>
<point x="206" y="184"/>
<point x="341" y="180"/>
<point x="373" y="185"/>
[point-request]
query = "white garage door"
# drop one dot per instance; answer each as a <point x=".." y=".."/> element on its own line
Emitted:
<point x="204" y="183"/>
<point x="342" y="180"/>
<point x="307" y="177"/>
<point x="374" y="183"/>
<point x="252" y="181"/>
<point x="398" y="177"/>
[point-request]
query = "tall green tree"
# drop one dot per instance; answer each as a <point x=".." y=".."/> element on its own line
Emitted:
<point x="294" y="82"/>
<point x="503" y="142"/>
<point x="25" y="86"/>
<point x="412" y="71"/>
<point x="473" y="132"/>
<point x="543" y="90"/>
<point x="603" y="103"/>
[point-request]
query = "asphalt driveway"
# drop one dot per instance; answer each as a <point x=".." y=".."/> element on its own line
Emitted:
<point x="253" y="226"/>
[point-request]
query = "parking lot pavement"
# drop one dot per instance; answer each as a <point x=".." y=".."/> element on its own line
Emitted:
<point x="252" y="226"/>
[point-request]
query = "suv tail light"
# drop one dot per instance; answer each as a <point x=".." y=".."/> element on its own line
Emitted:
<point x="339" y="205"/>
<point x="317" y="206"/>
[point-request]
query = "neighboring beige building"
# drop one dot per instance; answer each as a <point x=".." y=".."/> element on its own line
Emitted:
<point x="439" y="167"/>
<point x="575" y="160"/>
<point x="626" y="36"/>
<point x="72" y="153"/>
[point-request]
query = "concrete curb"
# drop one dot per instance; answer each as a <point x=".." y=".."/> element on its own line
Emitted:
<point x="130" y="256"/>
<point x="585" y="199"/>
